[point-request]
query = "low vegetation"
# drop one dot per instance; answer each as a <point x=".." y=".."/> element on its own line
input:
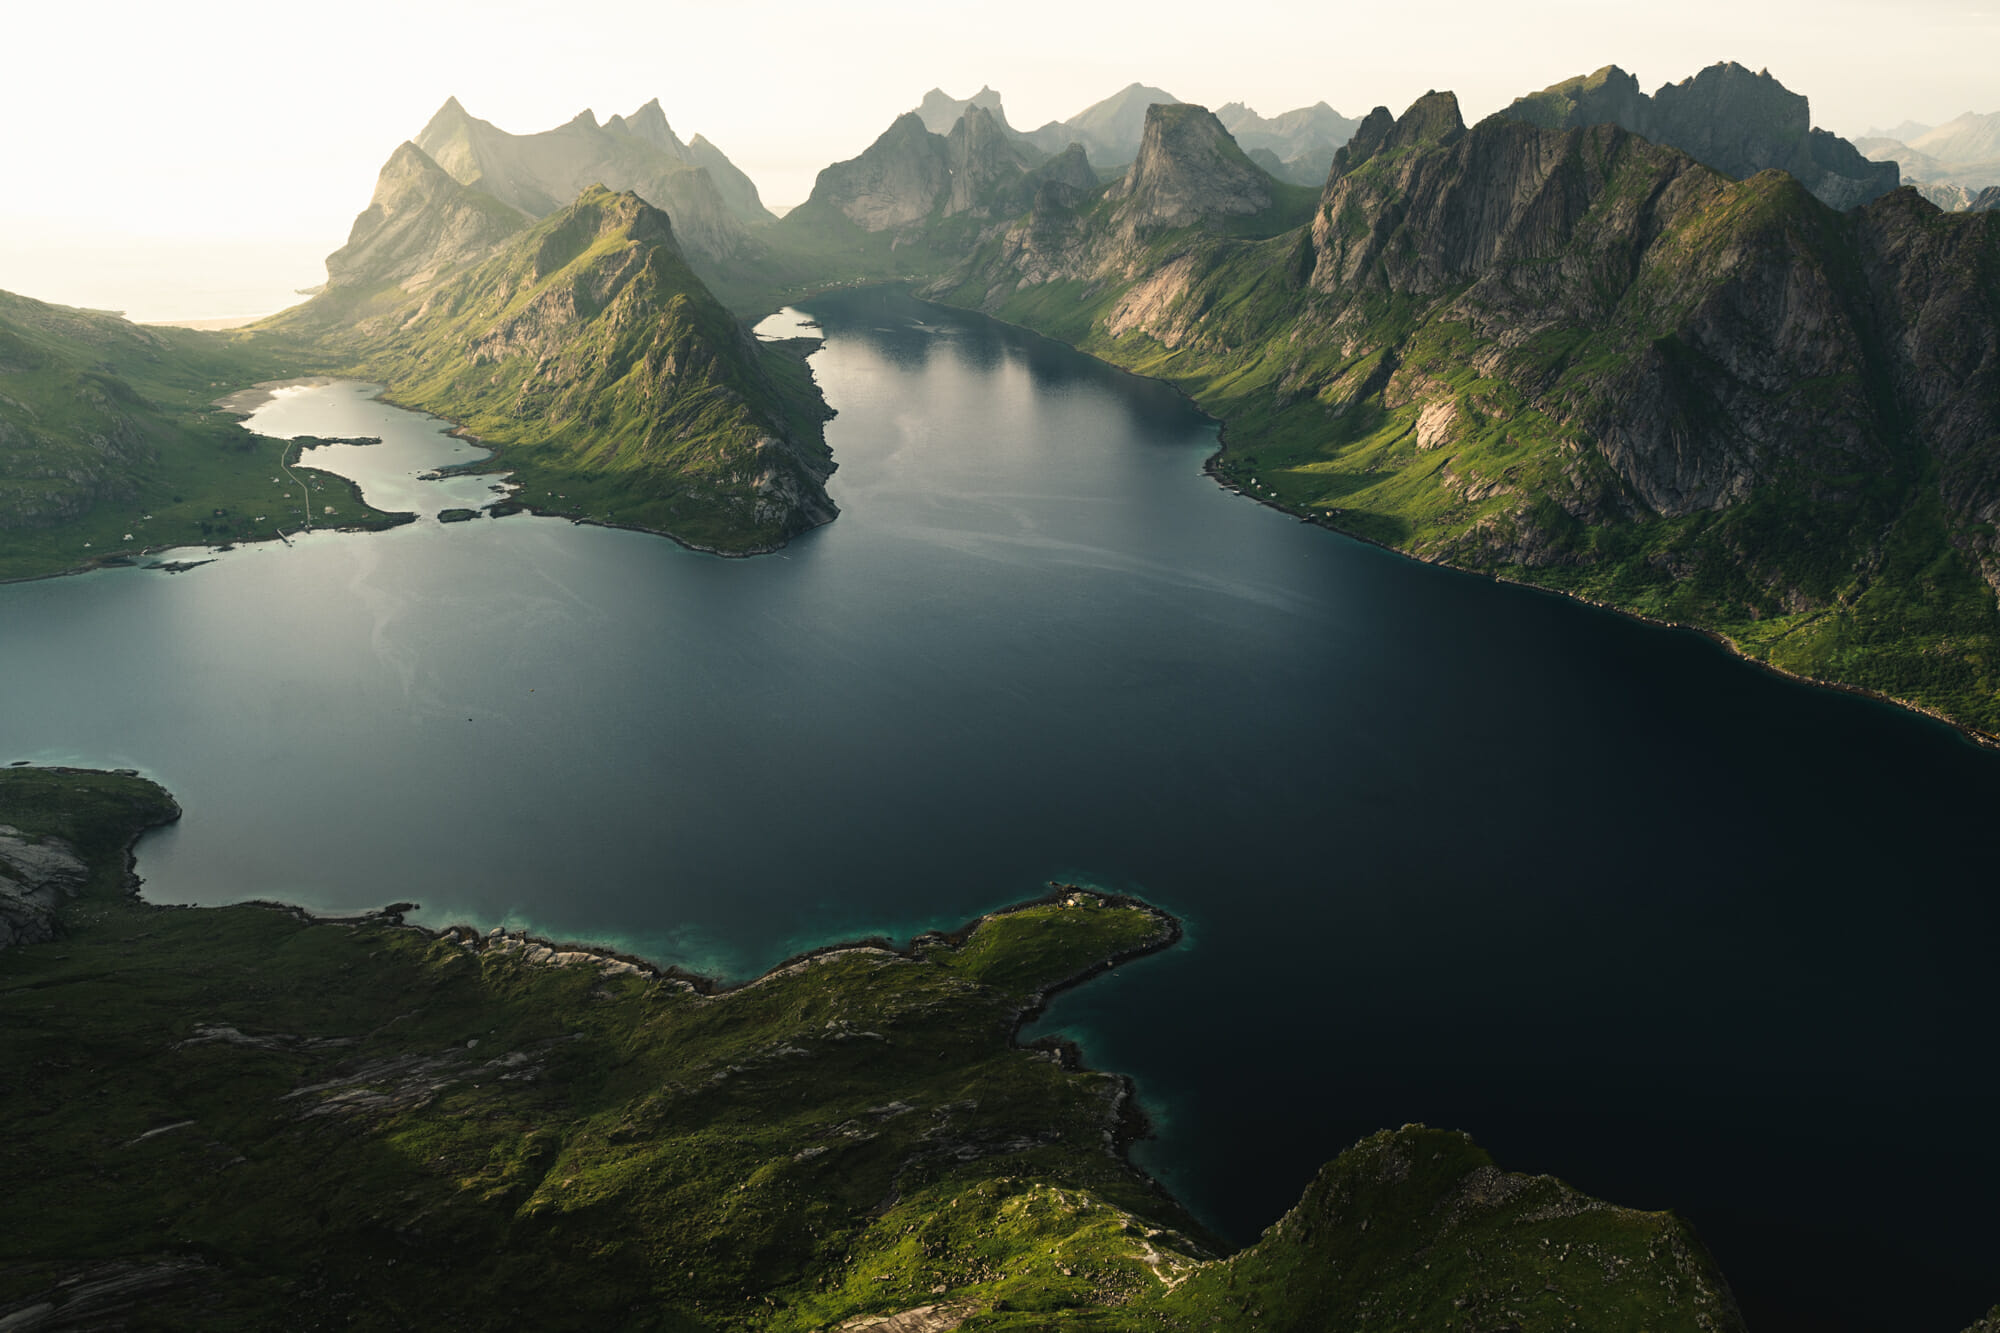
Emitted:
<point x="242" y="1118"/>
<point x="112" y="446"/>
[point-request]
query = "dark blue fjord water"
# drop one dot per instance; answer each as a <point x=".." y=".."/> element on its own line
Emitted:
<point x="1629" y="911"/>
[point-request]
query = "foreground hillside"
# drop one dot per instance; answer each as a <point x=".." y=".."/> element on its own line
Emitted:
<point x="1580" y="359"/>
<point x="361" y="1124"/>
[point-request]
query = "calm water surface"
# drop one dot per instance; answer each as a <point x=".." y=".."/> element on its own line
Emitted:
<point x="1627" y="910"/>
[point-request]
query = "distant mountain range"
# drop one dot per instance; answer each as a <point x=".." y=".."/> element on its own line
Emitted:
<point x="1954" y="164"/>
<point x="1679" y="352"/>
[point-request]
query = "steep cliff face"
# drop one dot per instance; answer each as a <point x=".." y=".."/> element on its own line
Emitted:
<point x="420" y="225"/>
<point x="1588" y="358"/>
<point x="895" y="183"/>
<point x="623" y="390"/>
<point x="1188" y="172"/>
<point x="1726" y="117"/>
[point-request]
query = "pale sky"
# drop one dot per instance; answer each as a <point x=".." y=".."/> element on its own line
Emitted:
<point x="200" y="159"/>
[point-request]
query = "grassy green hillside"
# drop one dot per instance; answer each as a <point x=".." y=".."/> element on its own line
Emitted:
<point x="241" y="1118"/>
<point x="616" y="387"/>
<point x="110" y="443"/>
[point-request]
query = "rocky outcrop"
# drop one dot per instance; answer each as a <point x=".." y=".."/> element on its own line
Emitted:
<point x="1188" y="172"/>
<point x="984" y="165"/>
<point x="895" y="183"/>
<point x="940" y="111"/>
<point x="1726" y="117"/>
<point x="37" y="875"/>
<point x="420" y="225"/>
<point x="1986" y="201"/>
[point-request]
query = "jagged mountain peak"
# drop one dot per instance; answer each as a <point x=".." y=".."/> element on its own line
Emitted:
<point x="420" y="224"/>
<point x="1432" y="118"/>
<point x="940" y="111"/>
<point x="1187" y="171"/>
<point x="649" y="123"/>
<point x="1727" y="116"/>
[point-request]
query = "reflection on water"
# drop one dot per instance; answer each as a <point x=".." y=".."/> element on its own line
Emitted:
<point x="1627" y="910"/>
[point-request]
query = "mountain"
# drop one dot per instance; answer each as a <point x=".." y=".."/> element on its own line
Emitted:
<point x="1987" y="201"/>
<point x="1969" y="138"/>
<point x="619" y="389"/>
<point x="940" y="112"/>
<point x="1738" y="122"/>
<point x="419" y="226"/>
<point x="1962" y="157"/>
<point x="1585" y="359"/>
<point x="1302" y="141"/>
<point x="1109" y="130"/>
<point x="1903" y="133"/>
<point x="896" y="181"/>
<point x="1188" y="171"/>
<point x="540" y="173"/>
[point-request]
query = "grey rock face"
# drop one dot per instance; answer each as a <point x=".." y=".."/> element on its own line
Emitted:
<point x="1726" y="117"/>
<point x="1188" y="171"/>
<point x="983" y="162"/>
<point x="420" y="225"/>
<point x="36" y="876"/>
<point x="895" y="183"/>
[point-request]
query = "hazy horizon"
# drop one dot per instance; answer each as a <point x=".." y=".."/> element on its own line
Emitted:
<point x="223" y="150"/>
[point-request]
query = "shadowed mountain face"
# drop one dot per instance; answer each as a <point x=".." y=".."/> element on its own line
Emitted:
<point x="1725" y="117"/>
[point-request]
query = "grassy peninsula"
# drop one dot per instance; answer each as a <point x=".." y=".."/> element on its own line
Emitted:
<point x="242" y="1117"/>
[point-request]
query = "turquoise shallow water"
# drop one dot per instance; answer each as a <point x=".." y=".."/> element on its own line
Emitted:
<point x="1628" y="910"/>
